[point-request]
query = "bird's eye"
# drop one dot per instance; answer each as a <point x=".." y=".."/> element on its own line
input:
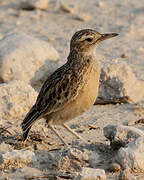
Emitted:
<point x="89" y="39"/>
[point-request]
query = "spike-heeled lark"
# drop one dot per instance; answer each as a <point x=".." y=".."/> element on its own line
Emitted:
<point x="73" y="88"/>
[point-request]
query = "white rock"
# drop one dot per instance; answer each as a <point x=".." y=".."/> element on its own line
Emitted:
<point x="16" y="98"/>
<point x="14" y="155"/>
<point x="132" y="156"/>
<point x="117" y="82"/>
<point x="124" y="134"/>
<point x="35" y="4"/>
<point x="92" y="174"/>
<point x="21" y="56"/>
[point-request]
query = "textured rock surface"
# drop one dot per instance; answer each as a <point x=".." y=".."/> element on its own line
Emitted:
<point x="24" y="156"/>
<point x="21" y="56"/>
<point x="122" y="135"/>
<point x="132" y="156"/>
<point x="92" y="174"/>
<point x="16" y="98"/>
<point x="32" y="4"/>
<point x="118" y="82"/>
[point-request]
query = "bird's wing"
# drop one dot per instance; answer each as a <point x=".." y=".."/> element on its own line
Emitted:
<point x="59" y="89"/>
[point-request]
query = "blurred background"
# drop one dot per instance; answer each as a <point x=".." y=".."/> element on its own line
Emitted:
<point x="56" y="20"/>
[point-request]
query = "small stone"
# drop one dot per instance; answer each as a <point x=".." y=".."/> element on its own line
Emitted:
<point x="120" y="135"/>
<point x="124" y="56"/>
<point x="114" y="167"/>
<point x="83" y="155"/>
<point x="92" y="174"/>
<point x="34" y="4"/>
<point x="26" y="6"/>
<point x="131" y="157"/>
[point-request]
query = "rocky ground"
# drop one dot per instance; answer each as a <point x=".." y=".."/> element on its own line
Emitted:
<point x="34" y="41"/>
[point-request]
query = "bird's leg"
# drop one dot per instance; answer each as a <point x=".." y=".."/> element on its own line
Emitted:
<point x="57" y="134"/>
<point x="73" y="132"/>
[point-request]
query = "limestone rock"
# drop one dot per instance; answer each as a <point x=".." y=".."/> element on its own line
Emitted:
<point x="21" y="56"/>
<point x="120" y="135"/>
<point x="92" y="174"/>
<point x="131" y="157"/>
<point x="119" y="84"/>
<point x="114" y="167"/>
<point x="35" y="4"/>
<point x="16" y="98"/>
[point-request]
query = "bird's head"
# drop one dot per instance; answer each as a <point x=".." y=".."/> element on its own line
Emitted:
<point x="87" y="39"/>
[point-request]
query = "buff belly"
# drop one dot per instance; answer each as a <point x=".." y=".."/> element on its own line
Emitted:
<point x="84" y="100"/>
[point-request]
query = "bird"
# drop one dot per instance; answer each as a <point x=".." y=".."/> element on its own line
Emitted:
<point x="73" y="88"/>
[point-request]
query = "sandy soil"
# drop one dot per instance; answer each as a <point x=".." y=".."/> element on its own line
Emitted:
<point x="125" y="17"/>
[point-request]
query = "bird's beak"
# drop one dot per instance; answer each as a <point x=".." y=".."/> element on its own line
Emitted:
<point x="107" y="36"/>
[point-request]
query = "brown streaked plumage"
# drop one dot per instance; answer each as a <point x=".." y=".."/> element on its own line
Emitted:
<point x="71" y="89"/>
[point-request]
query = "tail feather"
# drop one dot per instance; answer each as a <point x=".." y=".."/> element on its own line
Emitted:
<point x="27" y="123"/>
<point x="25" y="134"/>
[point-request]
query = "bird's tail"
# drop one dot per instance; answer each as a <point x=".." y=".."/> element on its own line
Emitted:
<point x="27" y="123"/>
